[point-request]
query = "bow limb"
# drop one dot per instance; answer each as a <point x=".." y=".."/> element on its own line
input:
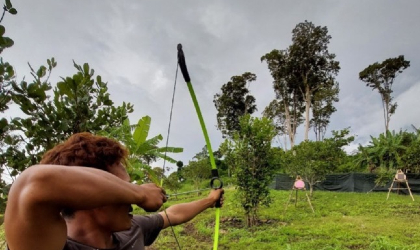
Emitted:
<point x="215" y="174"/>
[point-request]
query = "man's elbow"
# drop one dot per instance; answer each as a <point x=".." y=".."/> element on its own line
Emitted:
<point x="31" y="185"/>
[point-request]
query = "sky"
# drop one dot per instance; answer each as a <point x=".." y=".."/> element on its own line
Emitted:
<point x="132" y="45"/>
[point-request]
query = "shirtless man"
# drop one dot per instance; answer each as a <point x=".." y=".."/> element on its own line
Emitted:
<point x="80" y="198"/>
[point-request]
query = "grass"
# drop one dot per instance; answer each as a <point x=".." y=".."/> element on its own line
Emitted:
<point x="341" y="221"/>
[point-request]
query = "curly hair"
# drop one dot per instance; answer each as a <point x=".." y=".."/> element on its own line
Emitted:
<point x="87" y="150"/>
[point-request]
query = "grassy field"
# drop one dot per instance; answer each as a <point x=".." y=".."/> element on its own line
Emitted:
<point x="340" y="221"/>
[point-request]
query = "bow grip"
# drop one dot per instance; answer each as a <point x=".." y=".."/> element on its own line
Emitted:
<point x="213" y="185"/>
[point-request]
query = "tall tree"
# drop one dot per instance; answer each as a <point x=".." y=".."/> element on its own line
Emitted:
<point x="322" y="109"/>
<point x="311" y="63"/>
<point x="287" y="109"/>
<point x="233" y="102"/>
<point x="381" y="76"/>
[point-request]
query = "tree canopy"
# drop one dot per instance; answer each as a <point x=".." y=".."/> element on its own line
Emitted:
<point x="381" y="76"/>
<point x="234" y="102"/>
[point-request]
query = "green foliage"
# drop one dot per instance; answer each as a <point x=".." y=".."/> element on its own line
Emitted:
<point x="411" y="158"/>
<point x="179" y="165"/>
<point x="384" y="152"/>
<point x="252" y="155"/>
<point x="390" y="152"/>
<point x="381" y="76"/>
<point x="6" y="42"/>
<point x="311" y="63"/>
<point x="312" y="160"/>
<point x="9" y="8"/>
<point x="277" y="160"/>
<point x="303" y="77"/>
<point x="227" y="152"/>
<point x="142" y="151"/>
<point x="323" y="108"/>
<point x="287" y="109"/>
<point x="7" y="77"/>
<point x="197" y="171"/>
<point x="80" y="103"/>
<point x="173" y="183"/>
<point x="234" y="102"/>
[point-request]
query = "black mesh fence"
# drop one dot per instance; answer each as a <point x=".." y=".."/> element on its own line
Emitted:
<point x="351" y="182"/>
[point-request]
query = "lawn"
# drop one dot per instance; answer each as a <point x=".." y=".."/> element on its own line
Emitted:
<point x="341" y="221"/>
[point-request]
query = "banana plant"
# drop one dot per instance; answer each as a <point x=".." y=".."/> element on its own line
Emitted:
<point x="142" y="150"/>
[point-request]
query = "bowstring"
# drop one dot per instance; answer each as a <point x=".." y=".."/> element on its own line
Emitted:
<point x="164" y="159"/>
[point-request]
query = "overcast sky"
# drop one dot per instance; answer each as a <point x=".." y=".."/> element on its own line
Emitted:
<point x="132" y="45"/>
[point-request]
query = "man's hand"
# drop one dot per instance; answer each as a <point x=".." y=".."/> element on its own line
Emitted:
<point x="153" y="197"/>
<point x="215" y="195"/>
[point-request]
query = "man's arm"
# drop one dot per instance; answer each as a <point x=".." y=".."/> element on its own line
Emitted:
<point x="181" y="213"/>
<point x="32" y="218"/>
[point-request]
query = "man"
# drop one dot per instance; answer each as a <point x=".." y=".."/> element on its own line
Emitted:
<point x="80" y="197"/>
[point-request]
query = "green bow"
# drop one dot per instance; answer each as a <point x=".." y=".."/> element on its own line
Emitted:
<point x="214" y="171"/>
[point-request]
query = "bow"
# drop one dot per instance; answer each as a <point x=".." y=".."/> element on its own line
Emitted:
<point x="215" y="174"/>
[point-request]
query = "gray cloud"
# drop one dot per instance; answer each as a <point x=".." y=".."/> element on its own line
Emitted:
<point x="132" y="45"/>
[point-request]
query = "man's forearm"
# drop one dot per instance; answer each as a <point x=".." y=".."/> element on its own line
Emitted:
<point x="75" y="187"/>
<point x="181" y="213"/>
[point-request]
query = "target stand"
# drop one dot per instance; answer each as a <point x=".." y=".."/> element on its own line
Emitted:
<point x="400" y="178"/>
<point x="299" y="185"/>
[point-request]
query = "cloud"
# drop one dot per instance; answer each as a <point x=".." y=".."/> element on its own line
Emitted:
<point x="132" y="45"/>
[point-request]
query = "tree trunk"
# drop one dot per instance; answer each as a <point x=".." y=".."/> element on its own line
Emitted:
<point x="385" y="114"/>
<point x="289" y="126"/>
<point x="307" y="108"/>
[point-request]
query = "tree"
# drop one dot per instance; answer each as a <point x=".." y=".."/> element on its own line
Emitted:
<point x="234" y="102"/>
<point x="227" y="151"/>
<point x="198" y="171"/>
<point x="80" y="103"/>
<point x="7" y="76"/>
<point x="322" y="109"/>
<point x="411" y="158"/>
<point x="311" y="62"/>
<point x="381" y="76"/>
<point x="173" y="183"/>
<point x="305" y="68"/>
<point x="6" y="42"/>
<point x="312" y="160"/>
<point x="365" y="159"/>
<point x="254" y="173"/>
<point x="179" y="169"/>
<point x="142" y="149"/>
<point x="286" y="110"/>
<point x="388" y="149"/>
<point x="385" y="153"/>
